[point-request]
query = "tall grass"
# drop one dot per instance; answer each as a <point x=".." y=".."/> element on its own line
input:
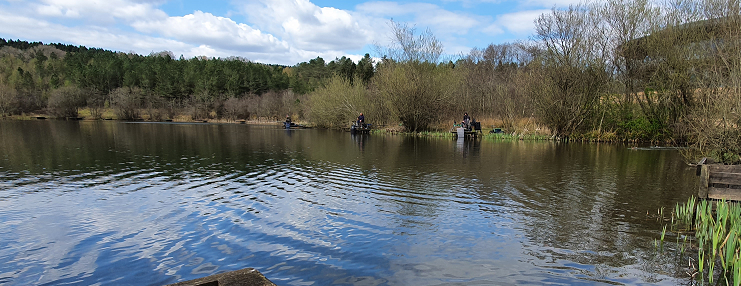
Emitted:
<point x="717" y="237"/>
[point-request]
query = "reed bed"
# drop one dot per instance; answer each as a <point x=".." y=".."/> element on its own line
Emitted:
<point x="717" y="229"/>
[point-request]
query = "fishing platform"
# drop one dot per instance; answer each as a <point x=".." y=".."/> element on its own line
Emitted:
<point x="718" y="181"/>
<point x="291" y="125"/>
<point x="473" y="130"/>
<point x="360" y="129"/>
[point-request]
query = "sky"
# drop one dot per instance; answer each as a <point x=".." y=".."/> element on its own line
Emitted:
<point x="283" y="32"/>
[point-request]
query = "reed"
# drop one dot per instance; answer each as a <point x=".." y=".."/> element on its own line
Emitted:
<point x="717" y="237"/>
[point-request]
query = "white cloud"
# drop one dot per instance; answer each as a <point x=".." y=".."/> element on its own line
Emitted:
<point x="550" y="3"/>
<point x="34" y="29"/>
<point x="274" y="31"/>
<point x="100" y="11"/>
<point x="519" y="23"/>
<point x="424" y="14"/>
<point x="493" y="30"/>
<point x="212" y="31"/>
<point x="522" y="3"/>
<point x="450" y="27"/>
<point x="307" y="26"/>
<point x="393" y="9"/>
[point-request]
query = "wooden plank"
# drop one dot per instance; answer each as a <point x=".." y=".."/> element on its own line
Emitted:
<point x="725" y="178"/>
<point x="724" y="168"/>
<point x="704" y="178"/>
<point x="724" y="193"/>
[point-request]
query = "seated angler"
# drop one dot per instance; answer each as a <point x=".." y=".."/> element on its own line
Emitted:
<point x="361" y="120"/>
<point x="466" y="121"/>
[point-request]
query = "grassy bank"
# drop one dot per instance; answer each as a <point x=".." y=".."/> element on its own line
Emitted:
<point x="110" y="114"/>
<point x="525" y="129"/>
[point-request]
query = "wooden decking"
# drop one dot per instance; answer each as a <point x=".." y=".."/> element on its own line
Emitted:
<point x="719" y="181"/>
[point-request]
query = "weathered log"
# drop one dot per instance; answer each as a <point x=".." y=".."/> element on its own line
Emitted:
<point x="242" y="277"/>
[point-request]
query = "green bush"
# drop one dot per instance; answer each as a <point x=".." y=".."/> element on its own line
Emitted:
<point x="642" y="128"/>
<point x="339" y="103"/>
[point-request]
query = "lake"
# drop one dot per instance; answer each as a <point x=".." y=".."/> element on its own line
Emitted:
<point x="114" y="203"/>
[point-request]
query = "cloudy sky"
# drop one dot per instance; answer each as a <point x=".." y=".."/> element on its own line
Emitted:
<point x="268" y="31"/>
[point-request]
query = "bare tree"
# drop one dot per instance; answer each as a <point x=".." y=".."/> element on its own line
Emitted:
<point x="626" y="21"/>
<point x="406" y="45"/>
<point x="8" y="100"/>
<point x="573" y="73"/>
<point x="495" y="82"/>
<point x="713" y="122"/>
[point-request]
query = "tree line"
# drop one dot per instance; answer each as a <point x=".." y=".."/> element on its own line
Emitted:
<point x="60" y="79"/>
<point x="608" y="70"/>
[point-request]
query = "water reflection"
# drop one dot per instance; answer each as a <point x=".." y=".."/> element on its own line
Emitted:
<point x="360" y="139"/>
<point x="464" y="146"/>
<point x="170" y="202"/>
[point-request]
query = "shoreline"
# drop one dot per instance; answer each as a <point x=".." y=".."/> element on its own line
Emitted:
<point x="589" y="137"/>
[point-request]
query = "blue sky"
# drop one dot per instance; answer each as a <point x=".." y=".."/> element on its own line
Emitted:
<point x="268" y="31"/>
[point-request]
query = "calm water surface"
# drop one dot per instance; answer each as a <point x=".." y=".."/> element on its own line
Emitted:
<point x="110" y="203"/>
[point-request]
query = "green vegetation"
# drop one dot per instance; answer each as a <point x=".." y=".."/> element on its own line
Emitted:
<point x="599" y="71"/>
<point x="57" y="79"/>
<point x="717" y="239"/>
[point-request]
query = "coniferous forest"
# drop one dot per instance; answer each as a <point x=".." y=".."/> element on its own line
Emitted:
<point x="60" y="79"/>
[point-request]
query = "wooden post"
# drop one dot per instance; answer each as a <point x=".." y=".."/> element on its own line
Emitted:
<point x="704" y="179"/>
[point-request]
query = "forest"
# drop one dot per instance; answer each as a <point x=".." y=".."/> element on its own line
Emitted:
<point x="612" y="70"/>
<point x="60" y="79"/>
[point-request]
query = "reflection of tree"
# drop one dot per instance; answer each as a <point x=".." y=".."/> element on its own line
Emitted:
<point x="577" y="203"/>
<point x="587" y="203"/>
<point x="63" y="145"/>
<point x="360" y="140"/>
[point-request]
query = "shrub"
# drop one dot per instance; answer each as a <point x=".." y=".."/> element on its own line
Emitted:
<point x="338" y="103"/>
<point x="96" y="103"/>
<point x="66" y="101"/>
<point x="419" y="94"/>
<point x="126" y="102"/>
<point x="8" y="100"/>
<point x="154" y="107"/>
<point x="236" y="108"/>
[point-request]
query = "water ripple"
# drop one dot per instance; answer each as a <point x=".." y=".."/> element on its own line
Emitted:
<point x="308" y="211"/>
